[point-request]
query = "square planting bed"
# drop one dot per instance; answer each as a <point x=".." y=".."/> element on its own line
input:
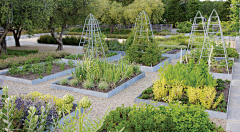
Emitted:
<point x="156" y="67"/>
<point x="36" y="81"/>
<point x="214" y="114"/>
<point x="223" y="75"/>
<point x="96" y="93"/>
<point x="176" y="55"/>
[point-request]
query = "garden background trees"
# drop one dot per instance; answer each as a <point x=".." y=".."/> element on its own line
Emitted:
<point x="25" y="15"/>
<point x="65" y="13"/>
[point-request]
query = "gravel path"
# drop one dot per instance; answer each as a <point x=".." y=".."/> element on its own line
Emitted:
<point x="100" y="105"/>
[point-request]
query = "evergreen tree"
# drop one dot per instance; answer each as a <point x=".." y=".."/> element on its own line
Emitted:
<point x="175" y="13"/>
<point x="192" y="9"/>
<point x="224" y="10"/>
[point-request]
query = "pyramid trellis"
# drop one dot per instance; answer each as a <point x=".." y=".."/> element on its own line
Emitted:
<point x="91" y="38"/>
<point x="143" y="30"/>
<point x="207" y="48"/>
<point x="194" y="29"/>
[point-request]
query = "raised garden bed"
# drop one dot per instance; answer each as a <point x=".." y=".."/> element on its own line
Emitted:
<point x="174" y="54"/>
<point x="225" y="74"/>
<point x="98" y="93"/>
<point x="36" y="73"/>
<point x="164" y="62"/>
<point x="100" y="78"/>
<point x="220" y="112"/>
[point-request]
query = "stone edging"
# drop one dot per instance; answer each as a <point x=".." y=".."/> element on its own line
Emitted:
<point x="155" y="68"/>
<point x="99" y="94"/>
<point x="36" y="81"/>
<point x="214" y="114"/>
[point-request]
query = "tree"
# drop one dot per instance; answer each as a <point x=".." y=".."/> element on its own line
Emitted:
<point x="235" y="15"/>
<point x="175" y="13"/>
<point x="124" y="2"/>
<point x="192" y="9"/>
<point x="110" y="13"/>
<point x="224" y="10"/>
<point x="154" y="9"/>
<point x="25" y="15"/>
<point x="66" y="13"/>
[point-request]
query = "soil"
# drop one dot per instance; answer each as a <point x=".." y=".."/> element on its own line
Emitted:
<point x="221" y="70"/>
<point x="174" y="51"/>
<point x="31" y="76"/>
<point x="225" y="92"/>
<point x="79" y="86"/>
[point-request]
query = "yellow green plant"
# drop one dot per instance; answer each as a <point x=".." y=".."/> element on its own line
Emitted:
<point x="220" y="98"/>
<point x="175" y="92"/>
<point x="192" y="94"/>
<point x="159" y="89"/>
<point x="206" y="96"/>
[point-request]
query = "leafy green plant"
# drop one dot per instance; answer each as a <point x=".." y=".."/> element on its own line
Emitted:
<point x="62" y="66"/>
<point x="63" y="81"/>
<point x="142" y="118"/>
<point x="103" y="85"/>
<point x="88" y="84"/>
<point x="73" y="82"/>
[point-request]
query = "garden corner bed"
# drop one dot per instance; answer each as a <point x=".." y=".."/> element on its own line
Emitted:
<point x="163" y="62"/>
<point x="220" y="112"/>
<point x="38" y="72"/>
<point x="99" y="93"/>
<point x="174" y="54"/>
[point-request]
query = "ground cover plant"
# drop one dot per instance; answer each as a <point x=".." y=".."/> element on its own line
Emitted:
<point x="190" y="84"/>
<point x="33" y="69"/>
<point x="94" y="74"/>
<point x="146" y="118"/>
<point x="16" y="53"/>
<point x="32" y="112"/>
<point x="7" y="63"/>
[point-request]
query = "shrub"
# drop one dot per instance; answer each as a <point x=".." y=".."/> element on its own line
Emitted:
<point x="146" y="118"/>
<point x="68" y="40"/>
<point x="88" y="84"/>
<point x="73" y="82"/>
<point x="63" y="81"/>
<point x="184" y="27"/>
<point x="103" y="85"/>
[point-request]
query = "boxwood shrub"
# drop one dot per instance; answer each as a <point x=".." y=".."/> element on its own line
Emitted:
<point x="147" y="118"/>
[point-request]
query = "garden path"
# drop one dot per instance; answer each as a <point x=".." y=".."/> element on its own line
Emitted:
<point x="233" y="122"/>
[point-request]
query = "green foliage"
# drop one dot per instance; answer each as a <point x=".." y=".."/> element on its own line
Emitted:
<point x="191" y="74"/>
<point x="111" y="54"/>
<point x="63" y="81"/>
<point x="73" y="82"/>
<point x="103" y="85"/>
<point x="68" y="40"/>
<point x="184" y="27"/>
<point x="92" y="71"/>
<point x="115" y="45"/>
<point x="146" y="118"/>
<point x="79" y="57"/>
<point x="143" y="50"/>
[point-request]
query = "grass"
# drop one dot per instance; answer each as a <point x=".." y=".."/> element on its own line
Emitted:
<point x="14" y="53"/>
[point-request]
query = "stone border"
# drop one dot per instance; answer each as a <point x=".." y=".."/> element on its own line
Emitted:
<point x="72" y="114"/>
<point x="214" y="114"/>
<point x="175" y="56"/>
<point x="155" y="68"/>
<point x="223" y="75"/>
<point x="99" y="94"/>
<point x="36" y="81"/>
<point x="1" y="91"/>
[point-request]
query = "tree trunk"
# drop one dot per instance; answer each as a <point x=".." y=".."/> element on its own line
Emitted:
<point x="17" y="36"/>
<point x="3" y="44"/>
<point x="112" y="28"/>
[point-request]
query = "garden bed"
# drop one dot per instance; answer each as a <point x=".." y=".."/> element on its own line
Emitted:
<point x="174" y="54"/>
<point x="163" y="62"/>
<point x="96" y="92"/>
<point x="219" y="112"/>
<point x="225" y="74"/>
<point x="27" y="75"/>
